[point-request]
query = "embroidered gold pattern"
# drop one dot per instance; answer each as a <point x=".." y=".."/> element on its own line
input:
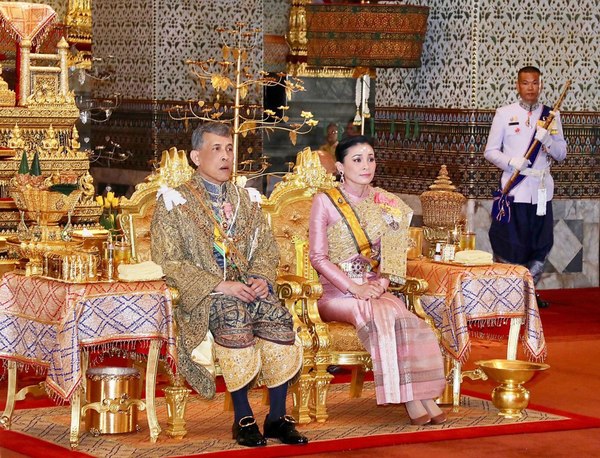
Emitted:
<point x="239" y="366"/>
<point x="280" y="363"/>
<point x="371" y="216"/>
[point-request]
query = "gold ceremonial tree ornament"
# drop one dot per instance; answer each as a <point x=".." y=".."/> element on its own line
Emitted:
<point x="510" y="397"/>
<point x="220" y="79"/>
<point x="443" y="209"/>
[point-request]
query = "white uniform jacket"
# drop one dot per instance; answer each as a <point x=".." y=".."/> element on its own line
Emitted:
<point x="510" y="137"/>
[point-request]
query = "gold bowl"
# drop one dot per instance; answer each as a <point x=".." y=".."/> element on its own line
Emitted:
<point x="92" y="238"/>
<point x="52" y="206"/>
<point x="510" y="397"/>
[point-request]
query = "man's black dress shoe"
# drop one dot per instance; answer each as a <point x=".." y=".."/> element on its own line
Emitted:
<point x="246" y="433"/>
<point x="284" y="429"/>
<point x="333" y="370"/>
<point x="541" y="303"/>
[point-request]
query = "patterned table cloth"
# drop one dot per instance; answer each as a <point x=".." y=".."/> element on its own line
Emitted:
<point x="460" y="296"/>
<point x="45" y="323"/>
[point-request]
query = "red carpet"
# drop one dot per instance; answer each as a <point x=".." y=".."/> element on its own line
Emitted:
<point x="573" y="422"/>
<point x="573" y="314"/>
<point x="34" y="447"/>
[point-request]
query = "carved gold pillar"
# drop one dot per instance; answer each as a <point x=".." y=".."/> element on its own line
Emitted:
<point x="63" y="48"/>
<point x="25" y="77"/>
<point x="176" y="397"/>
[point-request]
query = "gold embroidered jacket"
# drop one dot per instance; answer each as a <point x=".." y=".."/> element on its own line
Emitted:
<point x="182" y="243"/>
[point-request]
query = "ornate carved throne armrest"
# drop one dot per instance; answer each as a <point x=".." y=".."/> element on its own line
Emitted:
<point x="297" y="295"/>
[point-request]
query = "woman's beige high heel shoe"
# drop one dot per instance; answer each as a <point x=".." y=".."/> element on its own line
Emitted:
<point x="436" y="414"/>
<point x="419" y="420"/>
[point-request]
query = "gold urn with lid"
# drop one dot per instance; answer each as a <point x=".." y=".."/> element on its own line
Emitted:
<point x="443" y="208"/>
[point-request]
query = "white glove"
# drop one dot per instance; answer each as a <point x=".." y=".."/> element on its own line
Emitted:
<point x="519" y="163"/>
<point x="543" y="136"/>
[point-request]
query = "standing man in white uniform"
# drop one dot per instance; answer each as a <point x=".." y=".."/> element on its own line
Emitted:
<point x="528" y="237"/>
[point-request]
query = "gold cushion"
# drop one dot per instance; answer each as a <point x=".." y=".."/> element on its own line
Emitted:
<point x="344" y="337"/>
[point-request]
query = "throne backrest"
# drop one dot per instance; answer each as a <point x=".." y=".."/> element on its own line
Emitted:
<point x="288" y="211"/>
<point x="137" y="211"/>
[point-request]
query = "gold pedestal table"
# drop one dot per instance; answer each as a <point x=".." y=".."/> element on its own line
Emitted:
<point x="53" y="326"/>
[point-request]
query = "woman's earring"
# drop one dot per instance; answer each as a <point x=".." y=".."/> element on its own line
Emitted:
<point x="342" y="177"/>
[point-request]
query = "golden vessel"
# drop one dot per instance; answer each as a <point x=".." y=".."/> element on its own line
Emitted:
<point x="112" y="400"/>
<point x="50" y="206"/>
<point x="510" y="397"/>
<point x="443" y="210"/>
<point x="37" y="252"/>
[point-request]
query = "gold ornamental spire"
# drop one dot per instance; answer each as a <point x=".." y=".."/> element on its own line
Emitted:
<point x="443" y="181"/>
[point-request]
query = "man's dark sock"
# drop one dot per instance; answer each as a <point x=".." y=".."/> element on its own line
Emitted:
<point x="241" y="406"/>
<point x="277" y="397"/>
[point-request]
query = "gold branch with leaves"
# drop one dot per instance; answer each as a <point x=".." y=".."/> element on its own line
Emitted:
<point x="227" y="85"/>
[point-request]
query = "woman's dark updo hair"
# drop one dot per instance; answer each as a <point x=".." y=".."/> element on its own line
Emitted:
<point x="341" y="150"/>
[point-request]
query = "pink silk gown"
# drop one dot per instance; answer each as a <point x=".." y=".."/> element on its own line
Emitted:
<point x="407" y="361"/>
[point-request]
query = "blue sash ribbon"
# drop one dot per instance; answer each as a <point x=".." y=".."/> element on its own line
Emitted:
<point x="502" y="201"/>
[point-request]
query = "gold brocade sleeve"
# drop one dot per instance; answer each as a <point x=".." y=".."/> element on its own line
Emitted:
<point x="168" y="243"/>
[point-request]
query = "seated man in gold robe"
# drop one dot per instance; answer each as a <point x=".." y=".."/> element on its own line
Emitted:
<point x="216" y="247"/>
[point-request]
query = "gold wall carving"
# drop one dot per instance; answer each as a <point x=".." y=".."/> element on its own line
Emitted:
<point x="79" y="22"/>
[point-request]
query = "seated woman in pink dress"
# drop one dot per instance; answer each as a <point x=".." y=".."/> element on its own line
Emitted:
<point x="346" y="227"/>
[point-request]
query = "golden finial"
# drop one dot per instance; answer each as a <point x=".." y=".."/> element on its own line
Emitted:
<point x="443" y="181"/>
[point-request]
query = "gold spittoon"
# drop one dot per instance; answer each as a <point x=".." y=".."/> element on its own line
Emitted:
<point x="510" y="397"/>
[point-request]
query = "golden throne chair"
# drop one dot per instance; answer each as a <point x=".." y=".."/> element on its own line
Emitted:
<point x="288" y="210"/>
<point x="333" y="343"/>
<point x="135" y="220"/>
